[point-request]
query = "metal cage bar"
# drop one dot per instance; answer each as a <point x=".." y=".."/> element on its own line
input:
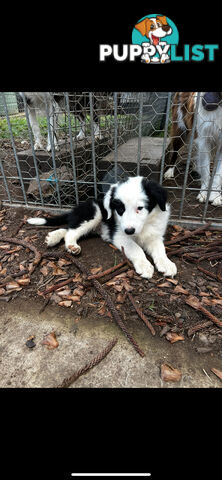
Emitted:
<point x="133" y="140"/>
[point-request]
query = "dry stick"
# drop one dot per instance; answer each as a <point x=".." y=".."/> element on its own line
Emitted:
<point x="209" y="274"/>
<point x="188" y="235"/>
<point x="38" y="255"/>
<point x="141" y="314"/>
<point x="198" y="326"/>
<point x="106" y="272"/>
<point x="58" y="285"/>
<point x="104" y="294"/>
<point x="44" y="305"/>
<point x="69" y="380"/>
<point x="219" y="271"/>
<point x="198" y="306"/>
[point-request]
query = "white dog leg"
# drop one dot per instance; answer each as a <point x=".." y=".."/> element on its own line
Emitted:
<point x="35" y="129"/>
<point x="135" y="254"/>
<point x="215" y="196"/>
<point x="73" y="234"/>
<point x="156" y="249"/>
<point x="82" y="133"/>
<point x="52" y="129"/>
<point x="55" y="237"/>
<point x="203" y="165"/>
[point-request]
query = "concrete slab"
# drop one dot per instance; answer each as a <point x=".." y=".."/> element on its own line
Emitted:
<point x="151" y="151"/>
<point x="80" y="341"/>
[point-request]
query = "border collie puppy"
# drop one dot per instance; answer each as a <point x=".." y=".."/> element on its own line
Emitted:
<point x="206" y="136"/>
<point x="133" y="214"/>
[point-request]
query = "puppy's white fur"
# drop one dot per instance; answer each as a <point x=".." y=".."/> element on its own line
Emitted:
<point x="147" y="221"/>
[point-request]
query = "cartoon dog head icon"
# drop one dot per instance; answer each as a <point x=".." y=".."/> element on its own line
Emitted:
<point x="154" y="28"/>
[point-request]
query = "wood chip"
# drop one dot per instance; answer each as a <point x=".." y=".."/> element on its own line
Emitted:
<point x="24" y="281"/>
<point x="65" y="303"/>
<point x="173" y="337"/>
<point x="179" y="289"/>
<point x="51" y="341"/>
<point x="169" y="373"/>
<point x="217" y="372"/>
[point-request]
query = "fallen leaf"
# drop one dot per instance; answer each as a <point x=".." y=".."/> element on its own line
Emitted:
<point x="96" y="270"/>
<point x="217" y="372"/>
<point x="165" y="284"/>
<point x="78" y="291"/>
<point x="3" y="271"/>
<point x="63" y="293"/>
<point x="12" y="285"/>
<point x="55" y="298"/>
<point x="74" y="298"/>
<point x="179" y="289"/>
<point x="51" y="341"/>
<point x="65" y="303"/>
<point x="169" y="373"/>
<point x="63" y="261"/>
<point x="77" y="277"/>
<point x="121" y="298"/>
<point x="2" y="291"/>
<point x="4" y="228"/>
<point x="127" y="286"/>
<point x="193" y="301"/>
<point x="58" y="271"/>
<point x="118" y="288"/>
<point x="211" y="301"/>
<point x="51" y="264"/>
<point x="23" y="281"/>
<point x="171" y="280"/>
<point x="178" y="228"/>
<point x="4" y="247"/>
<point x="44" y="270"/>
<point x="21" y="267"/>
<point x="173" y="337"/>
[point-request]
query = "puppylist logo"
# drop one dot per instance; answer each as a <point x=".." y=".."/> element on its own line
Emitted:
<point x="155" y="38"/>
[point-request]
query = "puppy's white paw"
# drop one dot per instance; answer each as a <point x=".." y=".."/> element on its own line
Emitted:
<point x="81" y="135"/>
<point x="216" y="199"/>
<point x="165" y="266"/>
<point x="144" y="268"/>
<point x="38" y="146"/>
<point x="202" y="196"/>
<point x="169" y="173"/>
<point x="52" y="238"/>
<point x="74" y="249"/>
<point x="56" y="147"/>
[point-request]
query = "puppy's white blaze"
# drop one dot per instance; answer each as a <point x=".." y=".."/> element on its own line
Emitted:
<point x="36" y="221"/>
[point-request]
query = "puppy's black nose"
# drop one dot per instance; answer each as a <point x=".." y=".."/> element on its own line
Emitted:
<point x="130" y="231"/>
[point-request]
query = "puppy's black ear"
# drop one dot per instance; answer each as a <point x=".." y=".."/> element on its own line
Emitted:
<point x="156" y="194"/>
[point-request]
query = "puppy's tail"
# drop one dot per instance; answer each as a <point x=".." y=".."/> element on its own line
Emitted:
<point x="49" y="221"/>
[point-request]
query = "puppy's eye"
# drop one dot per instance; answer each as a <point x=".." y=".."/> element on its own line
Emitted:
<point x="158" y="24"/>
<point x="139" y="208"/>
<point x="151" y="27"/>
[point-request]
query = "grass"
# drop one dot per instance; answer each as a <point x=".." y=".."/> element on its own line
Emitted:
<point x="20" y="127"/>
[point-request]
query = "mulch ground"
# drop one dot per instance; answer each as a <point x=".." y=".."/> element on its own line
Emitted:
<point x="186" y="307"/>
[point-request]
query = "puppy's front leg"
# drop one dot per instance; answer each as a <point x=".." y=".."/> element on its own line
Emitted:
<point x="135" y="254"/>
<point x="155" y="248"/>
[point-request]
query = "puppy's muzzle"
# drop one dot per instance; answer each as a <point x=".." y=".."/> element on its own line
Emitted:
<point x="130" y="231"/>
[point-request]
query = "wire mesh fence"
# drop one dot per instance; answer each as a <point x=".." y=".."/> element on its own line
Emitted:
<point x="60" y="148"/>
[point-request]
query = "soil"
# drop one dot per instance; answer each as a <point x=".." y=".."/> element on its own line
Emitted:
<point x="155" y="297"/>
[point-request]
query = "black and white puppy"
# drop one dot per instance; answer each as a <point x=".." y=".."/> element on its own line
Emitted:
<point x="133" y="214"/>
